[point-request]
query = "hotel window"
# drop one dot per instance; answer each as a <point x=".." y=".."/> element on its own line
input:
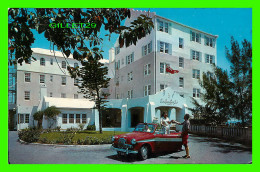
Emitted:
<point x="163" y="67"/>
<point x="209" y="59"/>
<point x="147" y="69"/>
<point x="181" y="43"/>
<point x="181" y="82"/>
<point x="51" y="61"/>
<point x="160" y="24"/>
<point x="63" y="64"/>
<point x="63" y="80"/>
<point x="76" y="65"/>
<point x="51" y="78"/>
<point x="181" y="62"/>
<point x="147" y="90"/>
<point x="210" y="42"/>
<point x="76" y="81"/>
<point x="42" y="62"/>
<point x="163" y="26"/>
<point x="26" y="118"/>
<point x="195" y="55"/>
<point x="21" y="117"/>
<point x="29" y="61"/>
<point x="165" y="47"/>
<point x="146" y="49"/>
<point x="84" y="118"/>
<point x="129" y="58"/>
<point x="76" y="96"/>
<point x="196" y="93"/>
<point x="50" y="94"/>
<point x="64" y="118"/>
<point x="63" y="95"/>
<point x="27" y="77"/>
<point x="42" y="79"/>
<point x="77" y="118"/>
<point x="117" y="50"/>
<point x="196" y="37"/>
<point x="130" y="94"/>
<point x="163" y="86"/>
<point x="195" y="73"/>
<point x="71" y="118"/>
<point x="130" y="76"/>
<point x="27" y="95"/>
<point x="209" y="74"/>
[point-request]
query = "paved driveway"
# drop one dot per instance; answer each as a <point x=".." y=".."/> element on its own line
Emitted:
<point x="202" y="149"/>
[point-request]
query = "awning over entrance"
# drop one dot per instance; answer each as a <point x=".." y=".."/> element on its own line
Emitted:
<point x="69" y="103"/>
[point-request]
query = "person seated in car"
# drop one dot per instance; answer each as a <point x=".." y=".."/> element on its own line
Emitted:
<point x="146" y="129"/>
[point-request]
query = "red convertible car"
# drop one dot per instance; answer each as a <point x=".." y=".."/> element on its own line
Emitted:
<point x="146" y="139"/>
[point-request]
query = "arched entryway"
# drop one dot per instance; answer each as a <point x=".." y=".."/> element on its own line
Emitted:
<point x="136" y="116"/>
<point x="111" y="118"/>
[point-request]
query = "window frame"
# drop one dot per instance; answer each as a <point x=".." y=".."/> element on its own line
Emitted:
<point x="27" y="77"/>
<point x="27" y="95"/>
<point x="64" y="117"/>
<point x="63" y="80"/>
<point x="42" y="79"/>
<point x="42" y="61"/>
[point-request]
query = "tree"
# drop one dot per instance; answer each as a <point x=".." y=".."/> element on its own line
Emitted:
<point x="38" y="117"/>
<point x="51" y="113"/>
<point x="227" y="96"/>
<point x="93" y="79"/>
<point x="241" y="75"/>
<point x="81" y="37"/>
<point x="216" y="97"/>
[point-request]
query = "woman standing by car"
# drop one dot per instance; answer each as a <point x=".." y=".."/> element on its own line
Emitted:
<point x="185" y="130"/>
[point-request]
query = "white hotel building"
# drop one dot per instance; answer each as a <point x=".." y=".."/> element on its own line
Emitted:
<point x="140" y="88"/>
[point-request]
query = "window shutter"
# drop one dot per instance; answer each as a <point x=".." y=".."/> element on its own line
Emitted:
<point x="170" y="28"/>
<point x="190" y="35"/>
<point x="126" y="60"/>
<point x="151" y="47"/>
<point x="170" y="49"/>
<point x="158" y="46"/>
<point x="191" y="55"/>
<point x="158" y="25"/>
<point x="200" y="38"/>
<point x="142" y="50"/>
<point x="200" y="56"/>
<point x="213" y="42"/>
<point x="133" y="57"/>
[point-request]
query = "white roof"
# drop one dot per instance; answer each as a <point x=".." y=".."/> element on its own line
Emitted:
<point x="69" y="103"/>
<point x="58" y="54"/>
<point x="49" y="52"/>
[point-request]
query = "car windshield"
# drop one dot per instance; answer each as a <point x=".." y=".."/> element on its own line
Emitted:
<point x="148" y="128"/>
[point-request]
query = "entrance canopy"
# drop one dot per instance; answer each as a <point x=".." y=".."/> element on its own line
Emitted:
<point x="68" y="103"/>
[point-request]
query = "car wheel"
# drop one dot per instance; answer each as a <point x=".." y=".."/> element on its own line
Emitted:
<point x="144" y="151"/>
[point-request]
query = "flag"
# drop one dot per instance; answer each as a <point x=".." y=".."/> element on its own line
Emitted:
<point x="170" y="70"/>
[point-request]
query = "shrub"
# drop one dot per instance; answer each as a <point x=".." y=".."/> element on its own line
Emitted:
<point x="58" y="128"/>
<point x="81" y="126"/>
<point x="72" y="129"/>
<point x="91" y="127"/>
<point x="29" y="135"/>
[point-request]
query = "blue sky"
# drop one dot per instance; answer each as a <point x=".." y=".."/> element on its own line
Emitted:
<point x="224" y="22"/>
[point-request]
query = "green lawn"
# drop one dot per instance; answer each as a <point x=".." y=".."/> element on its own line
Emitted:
<point x="81" y="138"/>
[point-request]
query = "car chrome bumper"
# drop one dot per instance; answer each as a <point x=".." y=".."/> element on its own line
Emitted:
<point x="124" y="150"/>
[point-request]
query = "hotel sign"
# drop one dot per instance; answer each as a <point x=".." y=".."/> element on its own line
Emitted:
<point x="168" y="99"/>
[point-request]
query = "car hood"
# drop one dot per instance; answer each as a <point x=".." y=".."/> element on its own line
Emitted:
<point x="135" y="135"/>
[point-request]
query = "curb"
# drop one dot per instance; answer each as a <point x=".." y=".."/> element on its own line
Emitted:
<point x="57" y="145"/>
